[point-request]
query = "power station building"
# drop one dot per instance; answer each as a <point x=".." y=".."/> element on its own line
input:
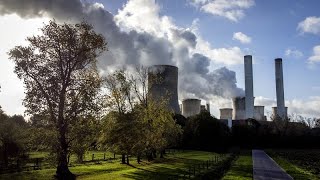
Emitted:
<point x="281" y="109"/>
<point x="163" y="84"/>
<point x="191" y="107"/>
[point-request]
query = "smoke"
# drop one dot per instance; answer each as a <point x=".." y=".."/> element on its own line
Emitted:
<point x="143" y="38"/>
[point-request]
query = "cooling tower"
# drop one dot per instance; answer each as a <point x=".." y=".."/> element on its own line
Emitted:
<point x="190" y="107"/>
<point x="208" y="107"/>
<point x="226" y="113"/>
<point x="202" y="108"/>
<point x="249" y="104"/>
<point x="275" y="112"/>
<point x="238" y="105"/>
<point x="279" y="88"/>
<point x="259" y="113"/>
<point x="163" y="83"/>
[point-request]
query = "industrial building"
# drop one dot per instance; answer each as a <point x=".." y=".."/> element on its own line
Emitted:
<point x="248" y="78"/>
<point x="226" y="113"/>
<point x="239" y="109"/>
<point x="191" y="107"/>
<point x="275" y="112"/>
<point x="163" y="84"/>
<point x="281" y="110"/>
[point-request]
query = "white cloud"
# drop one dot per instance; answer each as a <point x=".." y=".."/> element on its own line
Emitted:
<point x="308" y="107"/>
<point x="294" y="53"/>
<point x="144" y="16"/>
<point x="243" y="38"/>
<point x="305" y="107"/>
<point x="310" y="25"/>
<point x="12" y="90"/>
<point x="315" y="58"/>
<point x="230" y="9"/>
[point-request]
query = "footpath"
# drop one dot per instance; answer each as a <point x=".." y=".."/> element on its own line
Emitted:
<point x="265" y="168"/>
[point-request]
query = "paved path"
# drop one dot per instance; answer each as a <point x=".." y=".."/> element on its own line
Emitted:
<point x="265" y="168"/>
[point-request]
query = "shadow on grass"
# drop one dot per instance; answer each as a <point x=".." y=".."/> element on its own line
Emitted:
<point x="153" y="173"/>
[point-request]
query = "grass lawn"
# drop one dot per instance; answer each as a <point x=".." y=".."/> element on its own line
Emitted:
<point x="241" y="169"/>
<point x="173" y="164"/>
<point x="296" y="172"/>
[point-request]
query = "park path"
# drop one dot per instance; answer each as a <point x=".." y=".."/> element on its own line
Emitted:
<point x="265" y="168"/>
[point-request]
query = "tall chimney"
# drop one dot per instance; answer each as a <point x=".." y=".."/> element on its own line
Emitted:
<point x="279" y="88"/>
<point x="249" y="106"/>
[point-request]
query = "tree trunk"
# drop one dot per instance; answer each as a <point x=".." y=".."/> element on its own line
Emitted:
<point x="161" y="154"/>
<point x="80" y="157"/>
<point x="63" y="171"/>
<point x="138" y="158"/>
<point x="123" y="159"/>
<point x="154" y="154"/>
<point x="5" y="155"/>
<point x="128" y="159"/>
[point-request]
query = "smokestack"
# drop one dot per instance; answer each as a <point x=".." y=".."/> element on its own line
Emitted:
<point x="249" y="107"/>
<point x="208" y="107"/>
<point x="279" y="88"/>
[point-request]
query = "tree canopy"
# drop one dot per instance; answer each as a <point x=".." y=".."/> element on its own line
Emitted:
<point x="61" y="79"/>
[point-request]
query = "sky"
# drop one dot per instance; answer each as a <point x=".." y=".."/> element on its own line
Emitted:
<point x="205" y="39"/>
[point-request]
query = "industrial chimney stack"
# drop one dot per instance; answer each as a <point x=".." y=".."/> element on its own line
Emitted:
<point x="249" y="100"/>
<point x="279" y="87"/>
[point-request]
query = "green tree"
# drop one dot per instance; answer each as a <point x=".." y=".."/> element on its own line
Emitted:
<point x="60" y="75"/>
<point x="12" y="138"/>
<point x="83" y="134"/>
<point x="120" y="101"/>
<point x="136" y="124"/>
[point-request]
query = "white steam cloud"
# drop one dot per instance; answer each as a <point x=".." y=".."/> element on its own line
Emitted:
<point x="138" y="35"/>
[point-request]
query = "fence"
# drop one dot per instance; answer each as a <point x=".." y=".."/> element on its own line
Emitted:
<point x="196" y="169"/>
<point x="26" y="164"/>
<point x="21" y="165"/>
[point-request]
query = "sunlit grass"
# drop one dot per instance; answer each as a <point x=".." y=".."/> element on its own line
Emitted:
<point x="172" y="164"/>
<point x="294" y="171"/>
<point x="241" y="169"/>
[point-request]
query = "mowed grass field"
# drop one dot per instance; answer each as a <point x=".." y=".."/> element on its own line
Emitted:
<point x="300" y="164"/>
<point x="172" y="164"/>
<point x="241" y="168"/>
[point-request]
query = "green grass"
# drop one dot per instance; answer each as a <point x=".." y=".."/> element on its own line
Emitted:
<point x="173" y="164"/>
<point x="241" y="169"/>
<point x="295" y="172"/>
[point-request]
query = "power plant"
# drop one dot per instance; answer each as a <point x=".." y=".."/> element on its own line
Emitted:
<point x="163" y="84"/>
<point x="239" y="108"/>
<point x="191" y="107"/>
<point x="226" y="113"/>
<point x="259" y="113"/>
<point x="281" y="111"/>
<point x="248" y="74"/>
<point x="275" y="112"/>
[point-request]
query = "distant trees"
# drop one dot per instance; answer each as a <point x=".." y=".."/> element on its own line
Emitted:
<point x="137" y="124"/>
<point x="61" y="78"/>
<point x="12" y="137"/>
<point x="205" y="132"/>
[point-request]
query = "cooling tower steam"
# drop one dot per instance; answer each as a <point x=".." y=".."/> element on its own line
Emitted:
<point x="128" y="46"/>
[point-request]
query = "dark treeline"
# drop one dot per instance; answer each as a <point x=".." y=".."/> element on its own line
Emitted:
<point x="208" y="133"/>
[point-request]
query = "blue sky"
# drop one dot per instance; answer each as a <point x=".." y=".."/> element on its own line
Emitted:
<point x="225" y="30"/>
